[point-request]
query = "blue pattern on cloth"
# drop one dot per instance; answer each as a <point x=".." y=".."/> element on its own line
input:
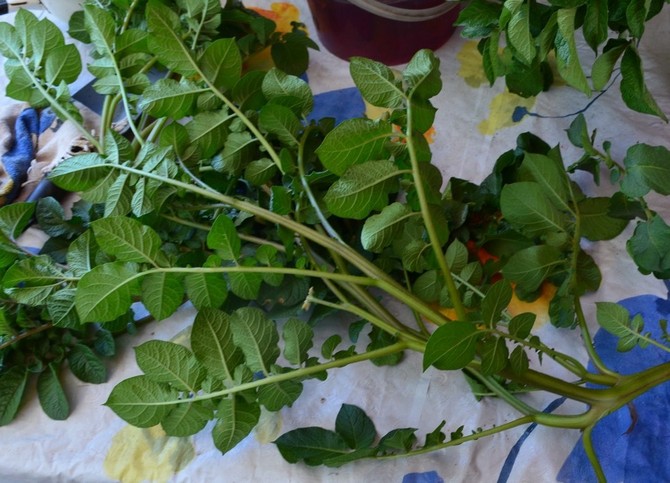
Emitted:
<point x="630" y="451"/>
<point x="28" y="126"/>
<point x="508" y="465"/>
<point x="342" y="104"/>
<point x="425" y="477"/>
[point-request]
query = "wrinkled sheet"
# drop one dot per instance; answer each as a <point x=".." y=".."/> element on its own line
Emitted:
<point x="474" y="125"/>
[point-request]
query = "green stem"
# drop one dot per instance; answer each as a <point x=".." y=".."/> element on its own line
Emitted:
<point x="587" y="442"/>
<point x="382" y="280"/>
<point x="129" y="14"/>
<point x="455" y="442"/>
<point x="63" y="113"/>
<point x="501" y="392"/>
<point x="286" y="376"/>
<point x="411" y="341"/>
<point x="26" y="334"/>
<point x="588" y="342"/>
<point x="428" y="219"/>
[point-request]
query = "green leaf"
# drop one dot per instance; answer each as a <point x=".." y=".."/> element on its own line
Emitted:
<point x="297" y="337"/>
<point x="127" y="239"/>
<point x="526" y="205"/>
<point x="494" y="354"/>
<point x="380" y="230"/>
<point x="80" y="256"/>
<point x="603" y="66"/>
<point x="10" y="41"/>
<point x="236" y="418"/>
<point x="237" y="151"/>
<point x="376" y="82"/>
<point x="281" y="122"/>
<point x="521" y="325"/>
<point x="278" y="395"/>
<point x="63" y="64"/>
<point x="31" y="280"/>
<point x="187" y="419"/>
<point x="551" y="176"/>
<point x="119" y="197"/>
<point x="86" y="365"/>
<point x="452" y="346"/>
<point x="221" y="63"/>
<point x="567" y="57"/>
<point x="595" y="23"/>
<point x="361" y="189"/>
<point x="636" y="16"/>
<point x="170" y="98"/>
<point x="647" y="168"/>
<point x="51" y="394"/>
<point x="104" y="293"/>
<point x="139" y="401"/>
<point x="260" y="171"/>
<point x="212" y="343"/>
<point x="172" y="363"/>
<point x="79" y="173"/>
<point x="529" y="267"/>
<point x="519" y="35"/>
<point x="313" y="445"/>
<point x="245" y="285"/>
<point x="428" y="286"/>
<point x="61" y="308"/>
<point x="206" y="289"/>
<point x="12" y="385"/>
<point x="162" y="294"/>
<point x="208" y="131"/>
<point x="633" y="88"/>
<point x="329" y="346"/>
<point x="15" y="218"/>
<point x="51" y="218"/>
<point x="398" y="440"/>
<point x="279" y="85"/>
<point x="495" y="301"/>
<point x="223" y="238"/>
<point x="478" y="19"/>
<point x="256" y="336"/>
<point x="355" y="427"/>
<point x="101" y="29"/>
<point x="354" y="141"/>
<point x="595" y="222"/>
<point x="457" y="256"/>
<point x="650" y="247"/>
<point x="614" y="318"/>
<point x="519" y="360"/>
<point x="422" y="75"/>
<point x="165" y="39"/>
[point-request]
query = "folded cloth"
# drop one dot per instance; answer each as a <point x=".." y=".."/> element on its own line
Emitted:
<point x="32" y="143"/>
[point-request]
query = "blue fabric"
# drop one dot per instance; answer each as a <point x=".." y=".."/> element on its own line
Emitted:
<point x="341" y="104"/>
<point x="508" y="465"/>
<point x="634" y="452"/>
<point x="28" y="126"/>
<point x="426" y="477"/>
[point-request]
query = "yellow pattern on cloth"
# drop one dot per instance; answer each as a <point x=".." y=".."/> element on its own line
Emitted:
<point x="148" y="454"/>
<point x="471" y="65"/>
<point x="501" y="110"/>
<point x="502" y="105"/>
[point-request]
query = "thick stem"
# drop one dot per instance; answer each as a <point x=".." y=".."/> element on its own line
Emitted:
<point x="428" y="220"/>
<point x="382" y="279"/>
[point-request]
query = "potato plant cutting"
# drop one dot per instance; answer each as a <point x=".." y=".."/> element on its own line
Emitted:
<point x="222" y="194"/>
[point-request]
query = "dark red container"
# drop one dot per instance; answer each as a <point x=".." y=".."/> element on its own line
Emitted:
<point x="347" y="30"/>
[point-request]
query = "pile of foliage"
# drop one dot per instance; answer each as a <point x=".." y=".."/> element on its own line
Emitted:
<point x="221" y="193"/>
<point x="519" y="39"/>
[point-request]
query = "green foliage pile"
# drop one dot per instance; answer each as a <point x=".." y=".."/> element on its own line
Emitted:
<point x="221" y="193"/>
